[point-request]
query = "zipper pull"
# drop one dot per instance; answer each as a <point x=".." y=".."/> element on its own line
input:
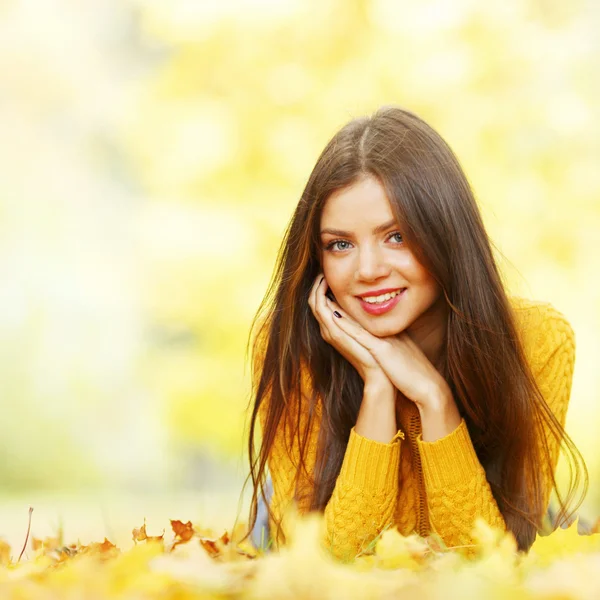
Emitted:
<point x="399" y="435"/>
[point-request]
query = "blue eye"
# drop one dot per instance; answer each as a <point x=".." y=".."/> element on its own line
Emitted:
<point x="331" y="245"/>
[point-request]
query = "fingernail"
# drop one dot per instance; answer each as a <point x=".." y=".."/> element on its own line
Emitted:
<point x="337" y="314"/>
<point x="320" y="282"/>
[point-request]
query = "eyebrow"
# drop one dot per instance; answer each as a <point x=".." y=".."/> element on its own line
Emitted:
<point x="378" y="229"/>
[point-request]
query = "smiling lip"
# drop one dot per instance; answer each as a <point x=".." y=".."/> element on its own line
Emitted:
<point x="378" y="309"/>
<point x="377" y="292"/>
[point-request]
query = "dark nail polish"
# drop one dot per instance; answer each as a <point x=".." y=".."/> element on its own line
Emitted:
<point x="337" y="314"/>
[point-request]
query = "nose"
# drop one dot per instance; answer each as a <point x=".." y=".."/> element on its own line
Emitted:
<point x="371" y="264"/>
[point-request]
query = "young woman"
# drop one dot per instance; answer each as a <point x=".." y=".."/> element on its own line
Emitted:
<point x="396" y="383"/>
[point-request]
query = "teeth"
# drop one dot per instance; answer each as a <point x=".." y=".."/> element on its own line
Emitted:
<point x="382" y="298"/>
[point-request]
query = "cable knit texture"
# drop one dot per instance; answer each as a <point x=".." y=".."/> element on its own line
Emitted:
<point x="424" y="487"/>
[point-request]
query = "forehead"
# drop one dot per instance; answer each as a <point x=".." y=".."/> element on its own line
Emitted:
<point x="362" y="205"/>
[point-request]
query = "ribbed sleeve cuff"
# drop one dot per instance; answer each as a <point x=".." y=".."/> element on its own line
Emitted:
<point x="449" y="460"/>
<point x="371" y="465"/>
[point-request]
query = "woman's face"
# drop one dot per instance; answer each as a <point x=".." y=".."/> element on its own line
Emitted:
<point x="367" y="254"/>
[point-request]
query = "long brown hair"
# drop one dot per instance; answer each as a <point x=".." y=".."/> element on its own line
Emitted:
<point x="483" y="362"/>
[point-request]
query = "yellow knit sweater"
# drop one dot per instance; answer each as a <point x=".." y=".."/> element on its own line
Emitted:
<point x="424" y="487"/>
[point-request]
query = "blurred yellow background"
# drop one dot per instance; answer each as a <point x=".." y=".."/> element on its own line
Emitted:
<point x="151" y="155"/>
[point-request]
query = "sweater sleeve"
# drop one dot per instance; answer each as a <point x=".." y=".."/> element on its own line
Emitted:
<point x="457" y="489"/>
<point x="364" y="497"/>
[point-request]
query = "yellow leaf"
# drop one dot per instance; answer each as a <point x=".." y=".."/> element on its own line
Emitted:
<point x="561" y="543"/>
<point x="4" y="553"/>
<point x="493" y="540"/>
<point x="395" y="551"/>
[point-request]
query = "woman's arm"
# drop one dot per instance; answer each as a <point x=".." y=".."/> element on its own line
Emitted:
<point x="457" y="489"/>
<point x="366" y="490"/>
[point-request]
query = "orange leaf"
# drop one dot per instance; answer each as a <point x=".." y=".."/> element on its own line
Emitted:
<point x="106" y="546"/>
<point x="35" y="543"/>
<point x="210" y="546"/>
<point x="4" y="553"/>
<point x="139" y="535"/>
<point x="183" y="531"/>
<point x="215" y="547"/>
<point x="50" y="543"/>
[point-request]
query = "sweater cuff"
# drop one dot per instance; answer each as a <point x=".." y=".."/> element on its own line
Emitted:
<point x="450" y="459"/>
<point x="372" y="465"/>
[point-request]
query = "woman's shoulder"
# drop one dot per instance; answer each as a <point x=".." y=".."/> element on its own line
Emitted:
<point x="541" y="327"/>
<point x="538" y="314"/>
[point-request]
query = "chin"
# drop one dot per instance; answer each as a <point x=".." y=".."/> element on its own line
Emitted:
<point x="382" y="330"/>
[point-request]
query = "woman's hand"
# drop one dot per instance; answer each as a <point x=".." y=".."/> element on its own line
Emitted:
<point x="401" y="359"/>
<point x="353" y="351"/>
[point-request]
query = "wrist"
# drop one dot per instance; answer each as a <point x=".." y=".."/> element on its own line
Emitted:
<point x="437" y="400"/>
<point x="378" y="384"/>
<point x="437" y="423"/>
<point x="439" y="419"/>
<point x="379" y="391"/>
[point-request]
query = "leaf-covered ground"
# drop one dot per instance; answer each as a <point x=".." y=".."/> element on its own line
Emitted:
<point x="190" y="562"/>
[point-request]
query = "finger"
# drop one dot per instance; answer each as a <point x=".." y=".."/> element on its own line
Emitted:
<point x="335" y="335"/>
<point x="352" y="328"/>
<point x="334" y="306"/>
<point x="323" y="303"/>
<point x="320" y="290"/>
<point x="321" y="310"/>
<point x="313" y="290"/>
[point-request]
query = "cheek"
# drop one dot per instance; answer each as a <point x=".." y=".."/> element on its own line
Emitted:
<point x="417" y="275"/>
<point x="416" y="272"/>
<point x="431" y="288"/>
<point x="340" y="282"/>
<point x="335" y="274"/>
<point x="328" y="270"/>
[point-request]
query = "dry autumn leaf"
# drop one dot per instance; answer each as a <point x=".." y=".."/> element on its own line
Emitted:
<point x="183" y="531"/>
<point x="4" y="553"/>
<point x="201" y="566"/>
<point x="140" y="535"/>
